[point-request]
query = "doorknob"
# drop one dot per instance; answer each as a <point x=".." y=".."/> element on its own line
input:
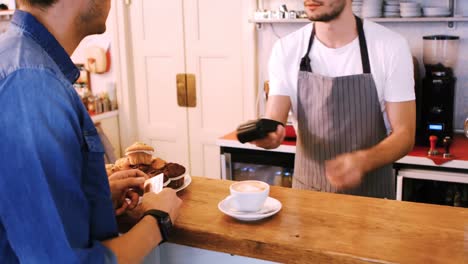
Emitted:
<point x="186" y="90"/>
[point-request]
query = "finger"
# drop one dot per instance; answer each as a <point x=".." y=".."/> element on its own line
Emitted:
<point x="334" y="175"/>
<point x="123" y="184"/>
<point x="147" y="188"/>
<point x="134" y="198"/>
<point x="271" y="140"/>
<point x="121" y="209"/>
<point x="282" y="133"/>
<point x="139" y="173"/>
<point x="134" y="173"/>
<point x="332" y="165"/>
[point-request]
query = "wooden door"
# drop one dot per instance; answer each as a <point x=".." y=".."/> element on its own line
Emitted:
<point x="206" y="38"/>
<point x="158" y="55"/>
<point x="214" y="46"/>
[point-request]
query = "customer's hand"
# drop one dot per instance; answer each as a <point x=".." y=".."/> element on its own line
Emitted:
<point x="346" y="170"/>
<point x="121" y="185"/>
<point x="166" y="201"/>
<point x="272" y="140"/>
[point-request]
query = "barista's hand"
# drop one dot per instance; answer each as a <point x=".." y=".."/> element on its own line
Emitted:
<point x="346" y="170"/>
<point x="166" y="200"/>
<point x="272" y="140"/>
<point x="121" y="184"/>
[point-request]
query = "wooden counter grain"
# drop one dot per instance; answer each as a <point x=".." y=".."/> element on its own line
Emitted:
<point x="317" y="227"/>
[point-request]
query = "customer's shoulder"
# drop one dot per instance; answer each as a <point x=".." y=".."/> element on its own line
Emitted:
<point x="383" y="37"/>
<point x="21" y="53"/>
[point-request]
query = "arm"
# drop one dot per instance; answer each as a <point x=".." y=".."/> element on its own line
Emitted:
<point x="402" y="118"/>
<point x="277" y="109"/>
<point x="347" y="170"/>
<point x="400" y="107"/>
<point x="279" y="102"/>
<point x="134" y="245"/>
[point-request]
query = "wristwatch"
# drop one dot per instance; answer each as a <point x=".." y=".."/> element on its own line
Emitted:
<point x="164" y="222"/>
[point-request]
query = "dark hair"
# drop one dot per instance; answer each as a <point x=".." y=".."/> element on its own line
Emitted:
<point x="38" y="3"/>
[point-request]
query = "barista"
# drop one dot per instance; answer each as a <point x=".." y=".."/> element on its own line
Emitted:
<point x="349" y="84"/>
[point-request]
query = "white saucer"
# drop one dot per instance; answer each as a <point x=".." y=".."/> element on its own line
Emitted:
<point x="271" y="207"/>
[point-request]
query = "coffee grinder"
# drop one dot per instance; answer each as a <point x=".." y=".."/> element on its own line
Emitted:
<point x="435" y="98"/>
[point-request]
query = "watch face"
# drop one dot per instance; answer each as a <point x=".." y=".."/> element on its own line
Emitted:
<point x="166" y="221"/>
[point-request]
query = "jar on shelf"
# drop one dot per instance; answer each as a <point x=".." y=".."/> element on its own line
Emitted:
<point x="91" y="104"/>
<point x="98" y="105"/>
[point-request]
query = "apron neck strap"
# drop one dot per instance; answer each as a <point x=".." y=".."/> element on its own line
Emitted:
<point x="305" y="61"/>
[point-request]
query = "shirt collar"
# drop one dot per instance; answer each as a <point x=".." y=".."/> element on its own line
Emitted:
<point x="29" y="24"/>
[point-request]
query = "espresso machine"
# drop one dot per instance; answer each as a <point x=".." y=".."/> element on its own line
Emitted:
<point x="435" y="98"/>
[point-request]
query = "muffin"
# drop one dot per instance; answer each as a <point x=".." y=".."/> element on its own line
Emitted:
<point x="175" y="173"/>
<point x="122" y="164"/>
<point x="157" y="167"/>
<point x="139" y="153"/>
<point x="158" y="164"/>
<point x="109" y="169"/>
<point x="144" y="168"/>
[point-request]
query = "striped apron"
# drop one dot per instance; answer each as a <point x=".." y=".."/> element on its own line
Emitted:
<point x="335" y="116"/>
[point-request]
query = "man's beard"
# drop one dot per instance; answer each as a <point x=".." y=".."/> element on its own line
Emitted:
<point x="333" y="14"/>
<point x="90" y="20"/>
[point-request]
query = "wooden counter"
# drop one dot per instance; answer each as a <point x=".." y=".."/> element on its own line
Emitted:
<point x="317" y="227"/>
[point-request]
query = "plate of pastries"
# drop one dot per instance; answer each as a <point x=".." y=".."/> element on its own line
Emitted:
<point x="141" y="156"/>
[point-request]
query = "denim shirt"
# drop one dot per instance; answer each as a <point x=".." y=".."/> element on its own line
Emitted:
<point x="55" y="202"/>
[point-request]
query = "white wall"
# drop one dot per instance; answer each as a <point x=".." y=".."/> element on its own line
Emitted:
<point x="269" y="33"/>
<point x="99" y="82"/>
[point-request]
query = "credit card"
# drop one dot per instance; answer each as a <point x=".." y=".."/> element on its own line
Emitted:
<point x="154" y="184"/>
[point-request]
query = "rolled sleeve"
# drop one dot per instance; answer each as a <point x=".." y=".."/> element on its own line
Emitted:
<point x="399" y="81"/>
<point x="277" y="73"/>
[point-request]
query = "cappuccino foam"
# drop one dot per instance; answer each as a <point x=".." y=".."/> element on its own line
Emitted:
<point x="249" y="187"/>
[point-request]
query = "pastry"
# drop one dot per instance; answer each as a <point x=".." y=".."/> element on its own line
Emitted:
<point x="109" y="169"/>
<point x="175" y="173"/>
<point x="157" y="163"/>
<point x="139" y="153"/>
<point x="122" y="164"/>
<point x="157" y="167"/>
<point x="144" y="168"/>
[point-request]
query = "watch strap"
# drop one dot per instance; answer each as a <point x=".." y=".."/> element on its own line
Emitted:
<point x="164" y="222"/>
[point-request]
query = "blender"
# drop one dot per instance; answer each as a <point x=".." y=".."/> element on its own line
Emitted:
<point x="435" y="98"/>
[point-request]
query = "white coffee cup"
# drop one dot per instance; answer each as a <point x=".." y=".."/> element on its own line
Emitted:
<point x="248" y="196"/>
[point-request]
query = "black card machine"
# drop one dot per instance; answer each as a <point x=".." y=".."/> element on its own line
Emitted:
<point x="256" y="129"/>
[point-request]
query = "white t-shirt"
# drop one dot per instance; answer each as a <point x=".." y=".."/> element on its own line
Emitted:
<point x="389" y="54"/>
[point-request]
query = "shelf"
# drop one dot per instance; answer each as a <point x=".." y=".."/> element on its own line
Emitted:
<point x="262" y="21"/>
<point x="105" y="115"/>
<point x="420" y="19"/>
<point x="378" y="20"/>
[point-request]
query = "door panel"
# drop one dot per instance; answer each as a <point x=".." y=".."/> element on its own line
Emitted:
<point x="201" y="37"/>
<point x="214" y="84"/>
<point x="214" y="54"/>
<point x="158" y="54"/>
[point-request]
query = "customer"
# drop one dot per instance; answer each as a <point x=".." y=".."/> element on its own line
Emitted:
<point x="56" y="204"/>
